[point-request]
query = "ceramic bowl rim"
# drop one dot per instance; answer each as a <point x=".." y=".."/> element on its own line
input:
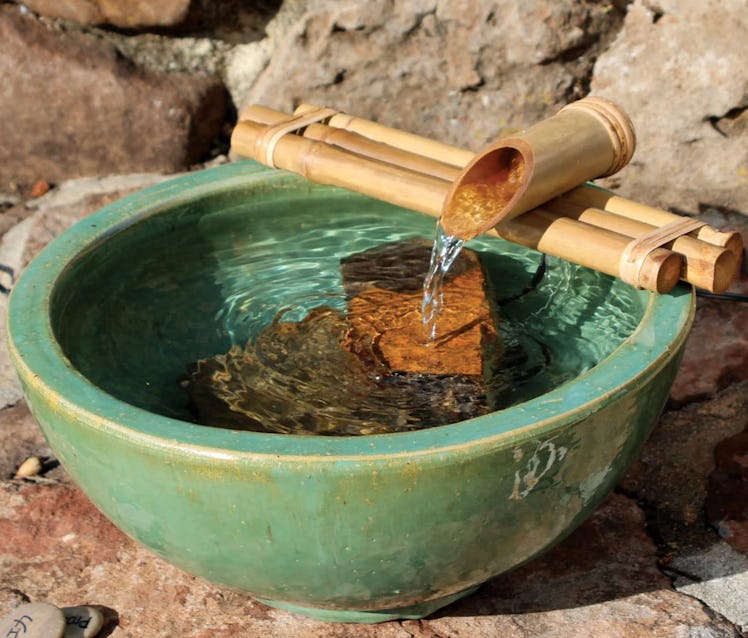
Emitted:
<point x="45" y="370"/>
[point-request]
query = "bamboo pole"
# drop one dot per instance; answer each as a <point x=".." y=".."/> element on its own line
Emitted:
<point x="562" y="236"/>
<point x="595" y="197"/>
<point x="584" y="140"/>
<point x="704" y="265"/>
<point x="587" y="196"/>
<point x="326" y="164"/>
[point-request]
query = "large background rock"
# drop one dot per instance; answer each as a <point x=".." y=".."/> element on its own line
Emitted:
<point x="71" y="106"/>
<point x="679" y="68"/>
<point x="463" y="72"/>
<point x="468" y="72"/>
<point x="459" y="71"/>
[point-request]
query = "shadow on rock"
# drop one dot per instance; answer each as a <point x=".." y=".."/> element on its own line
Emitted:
<point x="609" y="557"/>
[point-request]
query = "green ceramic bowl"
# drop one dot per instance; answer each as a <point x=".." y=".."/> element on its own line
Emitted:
<point x="360" y="529"/>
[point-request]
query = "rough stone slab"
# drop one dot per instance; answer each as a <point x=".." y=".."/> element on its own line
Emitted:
<point x="127" y="14"/>
<point x="718" y="577"/>
<point x="55" y="546"/>
<point x="660" y="614"/>
<point x="716" y="353"/>
<point x="717" y="349"/>
<point x="687" y="98"/>
<point x="70" y="106"/>
<point x="727" y="496"/>
<point x="673" y="470"/>
<point x="602" y="581"/>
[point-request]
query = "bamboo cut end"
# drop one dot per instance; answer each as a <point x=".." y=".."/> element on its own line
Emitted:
<point x="725" y="271"/>
<point x="668" y="273"/>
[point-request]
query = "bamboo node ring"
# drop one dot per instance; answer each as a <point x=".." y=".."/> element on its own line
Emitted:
<point x="617" y="123"/>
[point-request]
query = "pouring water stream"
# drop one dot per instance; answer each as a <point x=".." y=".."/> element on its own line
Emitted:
<point x="445" y="250"/>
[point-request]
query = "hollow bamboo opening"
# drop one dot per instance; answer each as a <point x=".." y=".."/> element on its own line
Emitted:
<point x="486" y="189"/>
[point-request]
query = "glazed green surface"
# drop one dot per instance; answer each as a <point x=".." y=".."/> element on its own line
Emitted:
<point x="343" y="524"/>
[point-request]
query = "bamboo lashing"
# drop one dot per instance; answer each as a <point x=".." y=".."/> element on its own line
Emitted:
<point x="596" y="197"/>
<point x="416" y="188"/>
<point x="564" y="237"/>
<point x="272" y="134"/>
<point x="705" y="265"/>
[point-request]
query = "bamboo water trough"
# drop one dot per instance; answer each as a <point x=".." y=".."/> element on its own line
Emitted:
<point x="529" y="188"/>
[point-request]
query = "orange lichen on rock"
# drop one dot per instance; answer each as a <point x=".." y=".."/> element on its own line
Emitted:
<point x="386" y="326"/>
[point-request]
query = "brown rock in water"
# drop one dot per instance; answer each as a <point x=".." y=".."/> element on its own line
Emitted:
<point x="70" y="106"/>
<point x="295" y="378"/>
<point x="388" y="322"/>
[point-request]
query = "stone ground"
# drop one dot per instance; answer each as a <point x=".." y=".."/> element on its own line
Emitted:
<point x="665" y="555"/>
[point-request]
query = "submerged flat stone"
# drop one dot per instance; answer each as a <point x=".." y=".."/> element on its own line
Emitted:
<point x="387" y="318"/>
<point x="364" y="371"/>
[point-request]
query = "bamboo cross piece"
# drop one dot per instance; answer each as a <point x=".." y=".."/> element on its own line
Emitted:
<point x="529" y="188"/>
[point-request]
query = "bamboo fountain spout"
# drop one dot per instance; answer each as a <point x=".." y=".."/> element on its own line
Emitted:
<point x="529" y="188"/>
<point x="587" y="139"/>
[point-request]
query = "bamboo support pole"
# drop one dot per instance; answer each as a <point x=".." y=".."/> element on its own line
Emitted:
<point x="595" y="197"/>
<point x="562" y="236"/>
<point x="327" y="164"/>
<point x="704" y="265"/>
<point x="396" y="138"/>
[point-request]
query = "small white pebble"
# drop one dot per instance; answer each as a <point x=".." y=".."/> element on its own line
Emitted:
<point x="34" y="620"/>
<point x="30" y="467"/>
